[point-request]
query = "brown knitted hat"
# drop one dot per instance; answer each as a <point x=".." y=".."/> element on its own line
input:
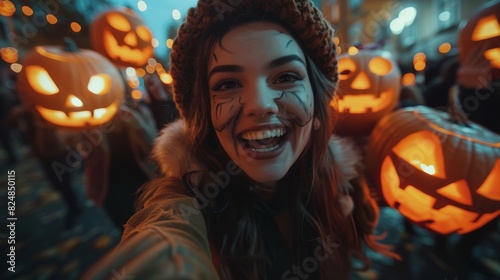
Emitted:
<point x="302" y="17"/>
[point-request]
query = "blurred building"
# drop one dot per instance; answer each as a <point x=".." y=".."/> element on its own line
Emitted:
<point x="403" y="27"/>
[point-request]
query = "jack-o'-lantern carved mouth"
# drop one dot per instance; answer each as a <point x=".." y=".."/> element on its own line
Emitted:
<point x="124" y="52"/>
<point x="364" y="103"/>
<point x="79" y="118"/>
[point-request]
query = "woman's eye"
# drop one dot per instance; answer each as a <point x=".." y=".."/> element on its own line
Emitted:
<point x="224" y="85"/>
<point x="288" y="78"/>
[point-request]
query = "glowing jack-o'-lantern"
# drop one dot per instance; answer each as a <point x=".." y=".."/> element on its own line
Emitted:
<point x="123" y="37"/>
<point x="439" y="174"/>
<point x="369" y="87"/>
<point x="69" y="87"/>
<point x="481" y="36"/>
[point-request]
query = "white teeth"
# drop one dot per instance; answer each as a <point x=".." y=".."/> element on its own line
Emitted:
<point x="263" y="134"/>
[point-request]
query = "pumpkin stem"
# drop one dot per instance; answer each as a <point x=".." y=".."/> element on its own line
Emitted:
<point x="458" y="116"/>
<point x="69" y="45"/>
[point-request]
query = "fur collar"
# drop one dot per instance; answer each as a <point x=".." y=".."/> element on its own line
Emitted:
<point x="175" y="159"/>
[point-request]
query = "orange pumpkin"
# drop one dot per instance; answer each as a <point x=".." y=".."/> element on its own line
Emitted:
<point x="69" y="87"/>
<point x="481" y="36"/>
<point x="369" y="87"/>
<point x="122" y="37"/>
<point x="440" y="175"/>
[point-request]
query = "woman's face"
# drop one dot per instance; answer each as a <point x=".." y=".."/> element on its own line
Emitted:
<point x="261" y="98"/>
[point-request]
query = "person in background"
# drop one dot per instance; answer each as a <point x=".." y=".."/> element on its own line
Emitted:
<point x="161" y="103"/>
<point x="410" y="96"/>
<point x="436" y="94"/>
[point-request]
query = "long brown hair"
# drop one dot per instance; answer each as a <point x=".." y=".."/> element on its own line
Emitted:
<point x="313" y="183"/>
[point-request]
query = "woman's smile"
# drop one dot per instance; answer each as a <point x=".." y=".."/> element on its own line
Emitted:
<point x="264" y="142"/>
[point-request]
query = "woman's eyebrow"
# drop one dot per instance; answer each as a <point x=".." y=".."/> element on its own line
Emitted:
<point x="284" y="60"/>
<point x="225" y="68"/>
<point x="273" y="64"/>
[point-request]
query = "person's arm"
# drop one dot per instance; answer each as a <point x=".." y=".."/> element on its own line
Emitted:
<point x="166" y="239"/>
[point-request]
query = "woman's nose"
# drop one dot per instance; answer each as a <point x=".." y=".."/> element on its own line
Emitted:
<point x="259" y="100"/>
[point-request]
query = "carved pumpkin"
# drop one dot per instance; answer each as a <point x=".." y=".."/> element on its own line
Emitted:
<point x="440" y="175"/>
<point x="369" y="87"/>
<point x="70" y="88"/>
<point x="481" y="36"/>
<point x="122" y="37"/>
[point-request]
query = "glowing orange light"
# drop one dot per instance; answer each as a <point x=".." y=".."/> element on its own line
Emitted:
<point x="352" y="50"/>
<point x="419" y="65"/>
<point x="51" y="19"/>
<point x="444" y="48"/>
<point x="7" y="8"/>
<point x="408" y="79"/>
<point x="9" y="54"/>
<point x="75" y="26"/>
<point x="166" y="78"/>
<point x="169" y="43"/>
<point x="420" y="56"/>
<point x="140" y="72"/>
<point x="136" y="94"/>
<point x="27" y="10"/>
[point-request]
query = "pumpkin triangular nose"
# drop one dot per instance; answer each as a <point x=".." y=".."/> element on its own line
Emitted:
<point x="73" y="101"/>
<point x="130" y="39"/>
<point x="458" y="191"/>
<point x="361" y="81"/>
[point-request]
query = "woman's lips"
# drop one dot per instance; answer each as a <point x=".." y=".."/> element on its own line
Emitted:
<point x="263" y="143"/>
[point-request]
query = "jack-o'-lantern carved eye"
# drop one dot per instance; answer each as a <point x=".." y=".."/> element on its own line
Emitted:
<point x="99" y="84"/>
<point x="486" y="28"/>
<point x="423" y="151"/>
<point x="380" y="66"/>
<point x="490" y="186"/>
<point x="118" y="22"/>
<point x="40" y="80"/>
<point x="347" y="67"/>
<point x="144" y="33"/>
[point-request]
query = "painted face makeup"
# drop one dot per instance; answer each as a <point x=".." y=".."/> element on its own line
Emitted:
<point x="261" y="99"/>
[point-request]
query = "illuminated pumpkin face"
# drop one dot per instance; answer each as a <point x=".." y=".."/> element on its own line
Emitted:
<point x="481" y="36"/>
<point x="72" y="89"/>
<point x="368" y="88"/>
<point x="438" y="174"/>
<point x="122" y="36"/>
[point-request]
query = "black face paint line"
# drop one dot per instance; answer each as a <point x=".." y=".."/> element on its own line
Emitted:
<point x="293" y="108"/>
<point x="225" y="106"/>
<point x="215" y="57"/>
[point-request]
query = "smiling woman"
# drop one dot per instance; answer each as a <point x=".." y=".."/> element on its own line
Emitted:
<point x="253" y="184"/>
<point x="261" y="109"/>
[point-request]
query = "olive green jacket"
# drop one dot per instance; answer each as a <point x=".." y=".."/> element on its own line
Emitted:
<point x="167" y="238"/>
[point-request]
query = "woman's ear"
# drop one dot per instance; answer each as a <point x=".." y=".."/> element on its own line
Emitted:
<point x="316" y="123"/>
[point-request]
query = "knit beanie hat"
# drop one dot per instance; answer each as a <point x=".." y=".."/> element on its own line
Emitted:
<point x="312" y="31"/>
